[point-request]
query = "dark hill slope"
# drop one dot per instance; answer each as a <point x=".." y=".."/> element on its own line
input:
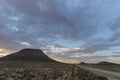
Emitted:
<point x="28" y="55"/>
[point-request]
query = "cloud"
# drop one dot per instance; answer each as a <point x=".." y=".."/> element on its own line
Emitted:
<point x="4" y="52"/>
<point x="65" y="60"/>
<point x="114" y="60"/>
<point x="116" y="52"/>
<point x="115" y="25"/>
<point x="116" y="29"/>
<point x="68" y="27"/>
<point x="72" y="21"/>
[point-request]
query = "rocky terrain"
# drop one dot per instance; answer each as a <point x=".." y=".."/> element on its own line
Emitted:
<point x="15" y="70"/>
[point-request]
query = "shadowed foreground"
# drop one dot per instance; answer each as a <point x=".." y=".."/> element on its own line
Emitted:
<point x="44" y="71"/>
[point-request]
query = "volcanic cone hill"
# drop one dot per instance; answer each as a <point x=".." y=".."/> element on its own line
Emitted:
<point x="28" y="55"/>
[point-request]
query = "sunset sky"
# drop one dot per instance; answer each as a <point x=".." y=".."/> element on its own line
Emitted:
<point x="67" y="30"/>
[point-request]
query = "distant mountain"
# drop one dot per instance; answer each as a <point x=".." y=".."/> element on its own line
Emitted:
<point x="106" y="63"/>
<point x="28" y="55"/>
<point x="99" y="63"/>
<point x="83" y="63"/>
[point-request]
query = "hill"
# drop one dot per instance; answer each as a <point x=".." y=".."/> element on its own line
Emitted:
<point x="82" y="63"/>
<point x="106" y="63"/>
<point x="99" y="63"/>
<point x="28" y="55"/>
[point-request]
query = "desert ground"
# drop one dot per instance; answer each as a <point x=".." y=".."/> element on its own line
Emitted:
<point x="16" y="70"/>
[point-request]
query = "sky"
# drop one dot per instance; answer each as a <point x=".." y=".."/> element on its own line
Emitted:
<point x="67" y="30"/>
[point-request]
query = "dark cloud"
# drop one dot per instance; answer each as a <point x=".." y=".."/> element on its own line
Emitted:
<point x="57" y="18"/>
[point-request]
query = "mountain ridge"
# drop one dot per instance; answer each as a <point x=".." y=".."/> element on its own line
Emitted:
<point x="99" y="63"/>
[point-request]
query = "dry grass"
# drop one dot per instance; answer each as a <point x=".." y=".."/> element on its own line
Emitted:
<point x="44" y="71"/>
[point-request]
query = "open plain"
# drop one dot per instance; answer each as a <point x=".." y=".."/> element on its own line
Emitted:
<point x="19" y="70"/>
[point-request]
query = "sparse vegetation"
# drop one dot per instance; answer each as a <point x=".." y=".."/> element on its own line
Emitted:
<point x="44" y="71"/>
